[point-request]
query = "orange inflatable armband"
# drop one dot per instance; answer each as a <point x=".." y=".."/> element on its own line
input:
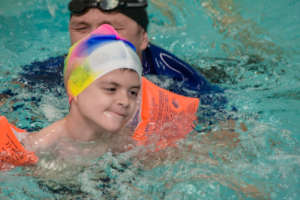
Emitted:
<point x="12" y="153"/>
<point x="166" y="117"/>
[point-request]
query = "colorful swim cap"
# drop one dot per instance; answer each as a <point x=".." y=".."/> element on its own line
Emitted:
<point x="101" y="52"/>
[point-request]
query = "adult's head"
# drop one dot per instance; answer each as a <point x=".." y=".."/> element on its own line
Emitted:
<point x="103" y="77"/>
<point x="128" y="17"/>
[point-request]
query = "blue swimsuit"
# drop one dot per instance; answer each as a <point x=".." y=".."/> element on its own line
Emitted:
<point x="156" y="61"/>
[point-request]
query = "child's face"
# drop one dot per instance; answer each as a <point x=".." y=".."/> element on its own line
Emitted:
<point x="110" y="101"/>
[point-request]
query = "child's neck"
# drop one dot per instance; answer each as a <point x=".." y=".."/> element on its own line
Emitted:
<point x="81" y="129"/>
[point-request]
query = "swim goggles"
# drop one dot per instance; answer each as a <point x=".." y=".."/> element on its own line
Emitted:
<point x="80" y="6"/>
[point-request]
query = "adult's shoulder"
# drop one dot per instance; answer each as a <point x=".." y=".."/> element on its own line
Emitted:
<point x="158" y="61"/>
<point x="48" y="72"/>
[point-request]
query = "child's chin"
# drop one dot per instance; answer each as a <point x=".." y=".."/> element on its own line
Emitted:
<point x="114" y="129"/>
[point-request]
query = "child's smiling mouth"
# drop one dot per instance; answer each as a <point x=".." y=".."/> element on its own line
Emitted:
<point x="114" y="114"/>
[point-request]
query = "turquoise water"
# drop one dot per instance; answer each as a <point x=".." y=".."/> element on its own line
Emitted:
<point x="251" y="48"/>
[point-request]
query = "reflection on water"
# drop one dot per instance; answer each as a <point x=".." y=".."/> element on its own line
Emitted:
<point x="252" y="38"/>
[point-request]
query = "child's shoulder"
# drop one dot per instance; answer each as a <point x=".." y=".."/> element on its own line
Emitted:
<point x="46" y="137"/>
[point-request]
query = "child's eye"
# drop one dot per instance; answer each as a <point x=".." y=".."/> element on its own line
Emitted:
<point x="133" y="93"/>
<point x="110" y="89"/>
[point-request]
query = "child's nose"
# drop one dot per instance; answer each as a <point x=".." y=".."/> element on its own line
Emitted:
<point x="123" y="99"/>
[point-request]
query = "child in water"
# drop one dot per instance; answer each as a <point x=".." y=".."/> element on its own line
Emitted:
<point x="103" y="79"/>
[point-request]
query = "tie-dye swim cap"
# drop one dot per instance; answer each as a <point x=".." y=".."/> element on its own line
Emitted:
<point x="101" y="52"/>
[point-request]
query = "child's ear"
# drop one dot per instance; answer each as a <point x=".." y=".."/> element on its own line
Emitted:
<point x="75" y="99"/>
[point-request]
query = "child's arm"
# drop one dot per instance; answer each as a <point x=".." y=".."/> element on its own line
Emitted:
<point x="12" y="152"/>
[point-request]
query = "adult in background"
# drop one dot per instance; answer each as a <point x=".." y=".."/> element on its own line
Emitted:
<point x="130" y="19"/>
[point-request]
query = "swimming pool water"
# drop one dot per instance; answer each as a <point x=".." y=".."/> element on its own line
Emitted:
<point x="251" y="48"/>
